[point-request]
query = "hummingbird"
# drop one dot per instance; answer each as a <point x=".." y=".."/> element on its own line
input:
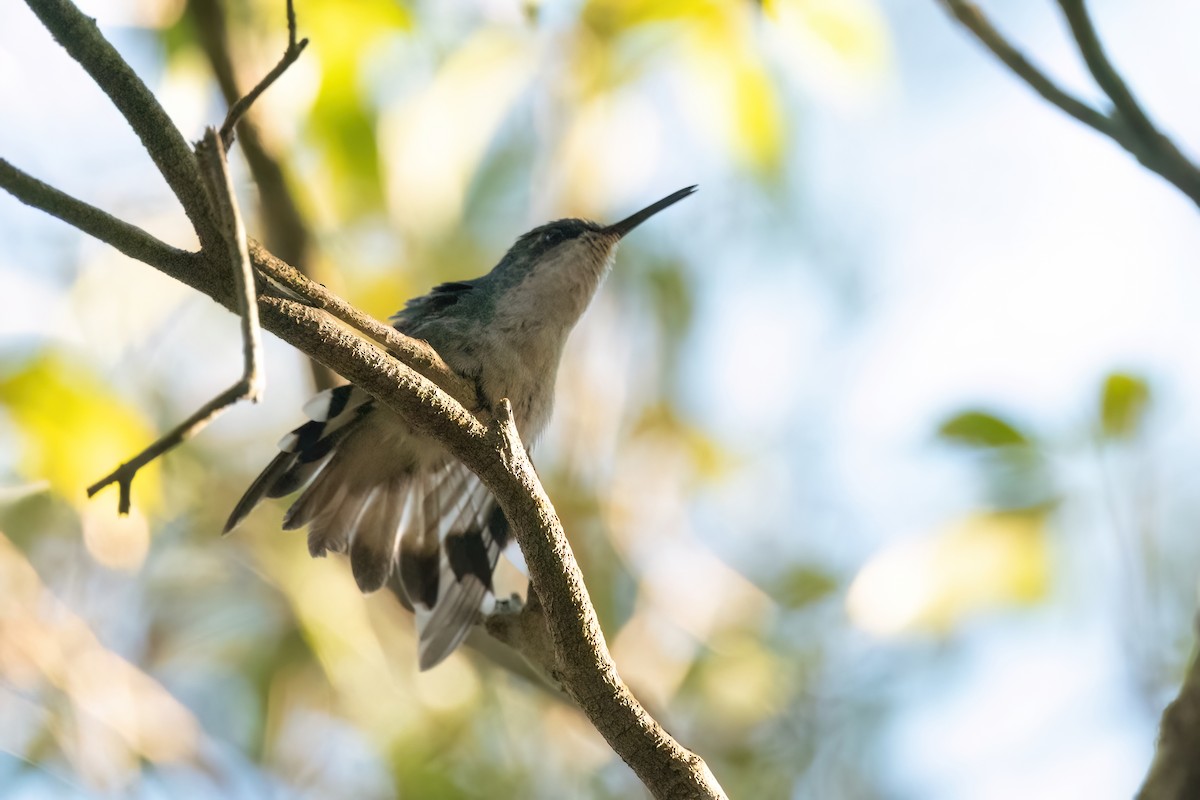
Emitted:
<point x="395" y="500"/>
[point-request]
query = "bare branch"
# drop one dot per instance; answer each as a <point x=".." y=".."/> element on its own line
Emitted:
<point x="214" y="168"/>
<point x="128" y="239"/>
<point x="293" y="51"/>
<point x="1128" y="126"/>
<point x="415" y="353"/>
<point x="124" y="474"/>
<point x="584" y="665"/>
<point x="194" y="270"/>
<point x="219" y="184"/>
<point x="974" y="20"/>
<point x="582" y="662"/>
<point x="1142" y="137"/>
<point x="285" y="230"/>
<point x="170" y="152"/>
<point x="1088" y="42"/>
<point x="402" y="388"/>
<point x="1175" y="773"/>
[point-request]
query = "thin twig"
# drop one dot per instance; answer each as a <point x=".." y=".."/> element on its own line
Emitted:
<point x="974" y="20"/>
<point x="166" y="146"/>
<point x="284" y="228"/>
<point x="214" y="170"/>
<point x="293" y="51"/>
<point x="189" y="268"/>
<point x="1142" y="137"/>
<point x="1107" y="78"/>
<point x="128" y="239"/>
<point x="1128" y="126"/>
<point x="123" y="475"/>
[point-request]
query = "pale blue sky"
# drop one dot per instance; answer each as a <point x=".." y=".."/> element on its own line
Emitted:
<point x="963" y="244"/>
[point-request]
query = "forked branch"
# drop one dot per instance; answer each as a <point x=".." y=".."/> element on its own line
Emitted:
<point x="224" y="214"/>
<point x="167" y="147"/>
<point x="491" y="451"/>
<point x="1175" y="773"/>
<point x="214" y="171"/>
<point x="238" y="109"/>
<point x="284" y="227"/>
<point x="1127" y="123"/>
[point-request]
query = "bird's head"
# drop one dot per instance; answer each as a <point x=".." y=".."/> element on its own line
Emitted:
<point x="561" y="263"/>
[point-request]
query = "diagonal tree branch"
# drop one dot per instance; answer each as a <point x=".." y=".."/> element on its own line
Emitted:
<point x="284" y="228"/>
<point x="415" y="353"/>
<point x="195" y="270"/>
<point x="1128" y="125"/>
<point x="492" y="451"/>
<point x="242" y="105"/>
<point x="166" y="146"/>
<point x="219" y="184"/>
<point x="584" y="666"/>
<point x="128" y="239"/>
<point x="1142" y="137"/>
<point x="973" y="19"/>
<point x="1106" y="76"/>
<point x="1175" y="772"/>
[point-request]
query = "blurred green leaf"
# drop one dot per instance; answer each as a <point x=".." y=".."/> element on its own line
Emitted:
<point x="855" y="31"/>
<point x="743" y="679"/>
<point x="805" y="585"/>
<point x="674" y="304"/>
<point x="611" y="18"/>
<point x="179" y="37"/>
<point x="344" y="129"/>
<point x="75" y="428"/>
<point x="342" y="121"/>
<point x="708" y="456"/>
<point x="984" y="562"/>
<point x="759" y="132"/>
<point x="1124" y="400"/>
<point x="981" y="429"/>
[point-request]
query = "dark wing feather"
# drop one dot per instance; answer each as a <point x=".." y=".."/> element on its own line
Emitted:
<point x="448" y="552"/>
<point x="333" y="414"/>
<point x="440" y="298"/>
<point x="439" y="526"/>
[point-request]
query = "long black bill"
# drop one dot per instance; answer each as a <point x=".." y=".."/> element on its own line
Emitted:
<point x="629" y="223"/>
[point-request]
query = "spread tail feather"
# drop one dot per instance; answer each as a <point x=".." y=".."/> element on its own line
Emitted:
<point x="428" y="519"/>
<point x="305" y="451"/>
<point x="262" y="484"/>
<point x="450" y="584"/>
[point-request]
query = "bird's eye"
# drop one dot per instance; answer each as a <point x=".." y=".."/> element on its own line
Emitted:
<point x="552" y="237"/>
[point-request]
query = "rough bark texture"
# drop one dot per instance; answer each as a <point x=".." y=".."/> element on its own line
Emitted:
<point x="400" y="379"/>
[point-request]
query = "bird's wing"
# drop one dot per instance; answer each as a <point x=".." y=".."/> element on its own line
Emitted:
<point x="353" y="489"/>
<point x="306" y="451"/>
<point x="421" y="309"/>
<point x="377" y="500"/>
